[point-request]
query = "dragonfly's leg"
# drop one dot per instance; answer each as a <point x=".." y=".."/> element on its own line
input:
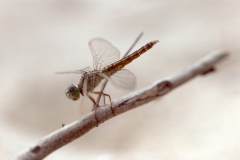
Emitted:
<point x="92" y="99"/>
<point x="104" y="99"/>
<point x="106" y="78"/>
<point x="95" y="109"/>
<point x="104" y="94"/>
<point x="85" y="92"/>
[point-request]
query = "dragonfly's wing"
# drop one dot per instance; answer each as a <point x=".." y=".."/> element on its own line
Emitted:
<point x="81" y="71"/>
<point x="124" y="79"/>
<point x="103" y="52"/>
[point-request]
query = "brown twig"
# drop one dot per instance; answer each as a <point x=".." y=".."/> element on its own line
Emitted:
<point x="76" y="129"/>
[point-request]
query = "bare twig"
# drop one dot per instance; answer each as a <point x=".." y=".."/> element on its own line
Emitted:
<point x="80" y="127"/>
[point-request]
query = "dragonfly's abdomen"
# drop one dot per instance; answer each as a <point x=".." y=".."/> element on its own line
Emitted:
<point x="110" y="69"/>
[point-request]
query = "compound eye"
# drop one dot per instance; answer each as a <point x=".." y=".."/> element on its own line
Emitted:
<point x="72" y="92"/>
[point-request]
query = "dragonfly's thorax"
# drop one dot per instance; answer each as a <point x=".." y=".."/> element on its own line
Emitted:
<point x="93" y="80"/>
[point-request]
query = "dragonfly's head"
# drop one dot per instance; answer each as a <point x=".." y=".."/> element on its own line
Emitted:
<point x="72" y="92"/>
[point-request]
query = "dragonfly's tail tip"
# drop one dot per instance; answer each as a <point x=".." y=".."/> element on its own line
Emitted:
<point x="156" y="41"/>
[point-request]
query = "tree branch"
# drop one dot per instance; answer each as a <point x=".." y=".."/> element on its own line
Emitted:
<point x="80" y="127"/>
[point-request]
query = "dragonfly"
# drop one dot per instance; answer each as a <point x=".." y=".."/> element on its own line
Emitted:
<point x="106" y="65"/>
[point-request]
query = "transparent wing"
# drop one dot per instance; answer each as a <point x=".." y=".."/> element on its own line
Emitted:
<point x="81" y="71"/>
<point x="124" y="79"/>
<point x="103" y="52"/>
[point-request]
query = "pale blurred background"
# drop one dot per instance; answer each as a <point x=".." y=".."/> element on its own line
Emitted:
<point x="199" y="120"/>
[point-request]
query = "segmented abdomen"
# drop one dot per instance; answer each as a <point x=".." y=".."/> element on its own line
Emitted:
<point x="112" y="68"/>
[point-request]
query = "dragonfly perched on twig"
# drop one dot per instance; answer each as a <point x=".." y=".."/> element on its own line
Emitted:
<point x="106" y="65"/>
